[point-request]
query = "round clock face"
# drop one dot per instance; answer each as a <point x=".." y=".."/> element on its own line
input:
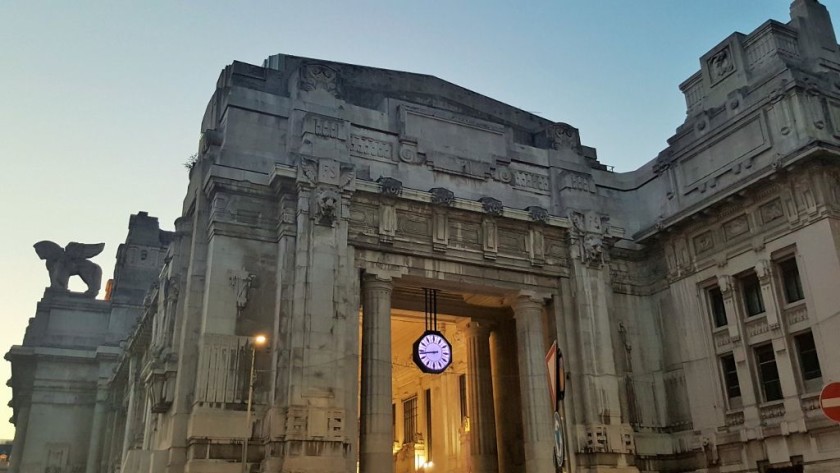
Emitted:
<point x="432" y="352"/>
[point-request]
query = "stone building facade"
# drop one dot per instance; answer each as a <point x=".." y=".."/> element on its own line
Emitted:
<point x="694" y="299"/>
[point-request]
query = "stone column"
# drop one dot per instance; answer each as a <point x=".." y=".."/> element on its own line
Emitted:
<point x="99" y="414"/>
<point x="483" y="454"/>
<point x="18" y="447"/>
<point x="537" y="421"/>
<point x="376" y="431"/>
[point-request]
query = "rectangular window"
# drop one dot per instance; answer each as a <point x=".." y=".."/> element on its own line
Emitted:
<point x="462" y="395"/>
<point x="768" y="373"/>
<point x="394" y="420"/>
<point x="730" y="376"/>
<point x="409" y="419"/>
<point x="717" y="307"/>
<point x="428" y="425"/>
<point x="790" y="281"/>
<point x="808" y="361"/>
<point x="751" y="289"/>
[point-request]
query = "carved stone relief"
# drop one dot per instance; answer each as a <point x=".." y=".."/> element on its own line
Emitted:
<point x="593" y="249"/>
<point x="538" y="214"/>
<point x="577" y="181"/>
<point x="318" y="76"/>
<point x="503" y="174"/>
<point x="408" y="152"/>
<point x="721" y="65"/>
<point x="326" y="206"/>
<point x="590" y="232"/>
<point x="365" y="147"/>
<point x="390" y="187"/>
<point x="413" y="225"/>
<point x="241" y="281"/>
<point x="441" y="196"/>
<point x="326" y="127"/>
<point x="492" y="206"/>
<point x="562" y="135"/>
<point x="704" y="242"/>
<point x="736" y="227"/>
<point x="771" y="211"/>
<point x="530" y="180"/>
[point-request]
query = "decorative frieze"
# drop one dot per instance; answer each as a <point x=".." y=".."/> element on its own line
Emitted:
<point x="734" y="418"/>
<point x="795" y="315"/>
<point x="366" y="147"/>
<point x="577" y="181"/>
<point x="530" y="180"/>
<point x="325" y="127"/>
<point x="773" y="411"/>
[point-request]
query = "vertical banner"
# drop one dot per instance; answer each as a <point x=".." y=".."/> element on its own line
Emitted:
<point x="557" y="391"/>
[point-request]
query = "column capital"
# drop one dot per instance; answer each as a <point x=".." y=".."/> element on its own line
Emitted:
<point x="374" y="280"/>
<point x="476" y="327"/>
<point x="526" y="299"/>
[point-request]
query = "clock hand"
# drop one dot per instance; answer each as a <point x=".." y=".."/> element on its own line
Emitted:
<point x="427" y="352"/>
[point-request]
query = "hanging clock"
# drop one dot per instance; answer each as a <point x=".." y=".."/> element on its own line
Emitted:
<point x="432" y="352"/>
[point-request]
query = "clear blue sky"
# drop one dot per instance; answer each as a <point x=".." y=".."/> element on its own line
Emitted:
<point x="101" y="102"/>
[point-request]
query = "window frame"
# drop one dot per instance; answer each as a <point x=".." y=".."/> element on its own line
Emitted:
<point x="409" y="419"/>
<point x="749" y="281"/>
<point x="814" y="383"/>
<point x="760" y="372"/>
<point x="783" y="281"/>
<point x="710" y="301"/>
<point x="733" y="401"/>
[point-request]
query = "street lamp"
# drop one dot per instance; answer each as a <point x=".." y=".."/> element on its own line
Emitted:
<point x="257" y="341"/>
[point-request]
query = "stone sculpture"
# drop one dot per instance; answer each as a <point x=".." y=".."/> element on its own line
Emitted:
<point x="72" y="261"/>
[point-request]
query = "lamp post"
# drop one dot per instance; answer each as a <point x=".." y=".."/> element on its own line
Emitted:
<point x="259" y="340"/>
